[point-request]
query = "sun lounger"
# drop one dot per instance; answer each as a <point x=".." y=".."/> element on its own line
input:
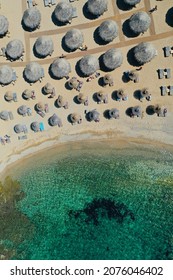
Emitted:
<point x="163" y="90"/>
<point x="46" y="3"/>
<point x="14" y="97"/>
<point x="167" y="51"/>
<point x="170" y="90"/>
<point x="41" y="125"/>
<point x="22" y="137"/>
<point x="25" y="130"/>
<point x="46" y="108"/>
<point x="3" y="52"/>
<point x="106" y="99"/>
<point x="160" y="73"/>
<point x="30" y="4"/>
<point x="29" y="111"/>
<point x="14" y="78"/>
<point x="2" y="141"/>
<point x="53" y="2"/>
<point x="41" y="113"/>
<point x="74" y="15"/>
<point x="10" y="114"/>
<point x="66" y="105"/>
<point x="168" y="73"/>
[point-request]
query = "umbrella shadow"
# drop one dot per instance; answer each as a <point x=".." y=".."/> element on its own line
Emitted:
<point x="95" y="98"/>
<point x="123" y="6"/>
<point x="102" y="65"/>
<point x="27" y="28"/>
<point x="43" y="91"/>
<point x="78" y="70"/>
<point x="67" y="86"/>
<point x="75" y="99"/>
<point x="101" y="82"/>
<point x="129" y="111"/>
<point x="87" y="116"/>
<point x="98" y="40"/>
<point x="23" y="96"/>
<point x="150" y="110"/>
<point x="106" y="114"/>
<point x="168" y="17"/>
<point x="56" y="104"/>
<point x="56" y="21"/>
<point x="131" y="59"/>
<point x="127" y="31"/>
<point x="114" y="95"/>
<point x="69" y="118"/>
<point x="125" y="78"/>
<point x="87" y="14"/>
<point x="64" y="46"/>
<point x="136" y="94"/>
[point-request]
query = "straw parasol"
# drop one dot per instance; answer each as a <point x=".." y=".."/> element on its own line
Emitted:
<point x="108" y="30"/>
<point x="144" y="92"/>
<point x="108" y="79"/>
<point x="137" y="111"/>
<point x="27" y="93"/>
<point x="48" y="88"/>
<point x="44" y="46"/>
<point x="113" y="58"/>
<point x="158" y="109"/>
<point x="63" y="12"/>
<point x="33" y="72"/>
<point x="4" y="115"/>
<point x="100" y="96"/>
<point x="94" y="115"/>
<point x="14" y="49"/>
<point x="60" y="68"/>
<point x="144" y="52"/>
<point x="75" y="118"/>
<point x="35" y="126"/>
<point x="60" y="101"/>
<point x="73" y="83"/>
<point x="55" y="120"/>
<point x="114" y="113"/>
<point x="6" y="75"/>
<point x="139" y="22"/>
<point x="97" y="7"/>
<point x="40" y="106"/>
<point x="89" y="64"/>
<point x="31" y="18"/>
<point x="22" y="110"/>
<point x="132" y="2"/>
<point x="82" y="98"/>
<point x="8" y="96"/>
<point x="133" y="76"/>
<point x="74" y="39"/>
<point x="18" y="128"/>
<point x="4" y="24"/>
<point x="120" y="93"/>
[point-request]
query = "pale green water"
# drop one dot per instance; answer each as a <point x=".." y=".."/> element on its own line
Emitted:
<point x="98" y="203"/>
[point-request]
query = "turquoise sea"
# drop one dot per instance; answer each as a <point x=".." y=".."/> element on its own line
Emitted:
<point x="94" y="201"/>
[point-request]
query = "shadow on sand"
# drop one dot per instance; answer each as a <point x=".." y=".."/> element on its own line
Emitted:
<point x="123" y="6"/>
<point x="127" y="31"/>
<point x="169" y="17"/>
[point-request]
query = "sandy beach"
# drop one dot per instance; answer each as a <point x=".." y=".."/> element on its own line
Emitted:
<point x="149" y="129"/>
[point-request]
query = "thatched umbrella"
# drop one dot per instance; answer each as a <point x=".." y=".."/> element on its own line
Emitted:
<point x="55" y="120"/>
<point x="113" y="58"/>
<point x="120" y="93"/>
<point x="44" y="46"/>
<point x="108" y="30"/>
<point x="18" y="128"/>
<point x="63" y="12"/>
<point x="75" y="118"/>
<point x="89" y="64"/>
<point x="100" y="96"/>
<point x="139" y="22"/>
<point x="22" y="110"/>
<point x="31" y="18"/>
<point x="108" y="79"/>
<point x="74" y="39"/>
<point x="137" y="111"/>
<point x="144" y="52"/>
<point x="60" y="68"/>
<point x="132" y="2"/>
<point x="27" y="94"/>
<point x="14" y="49"/>
<point x="61" y="101"/>
<point x="82" y="98"/>
<point x="40" y="106"/>
<point x="33" y="72"/>
<point x="133" y="76"/>
<point x="4" y="24"/>
<point x="73" y="83"/>
<point x="48" y="88"/>
<point x="35" y="126"/>
<point x="8" y="96"/>
<point x="158" y="109"/>
<point x="6" y="75"/>
<point x="114" y="113"/>
<point x="4" y="115"/>
<point x="94" y="116"/>
<point x="144" y="92"/>
<point x="97" y="7"/>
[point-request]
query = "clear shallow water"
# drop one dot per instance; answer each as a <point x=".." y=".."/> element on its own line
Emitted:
<point x="97" y="203"/>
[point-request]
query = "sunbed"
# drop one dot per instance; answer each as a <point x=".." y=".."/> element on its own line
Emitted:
<point x="163" y="90"/>
<point x="25" y="130"/>
<point x="168" y="73"/>
<point x="41" y="113"/>
<point x="167" y="51"/>
<point x="29" y="111"/>
<point x="11" y="117"/>
<point x="22" y="137"/>
<point x="170" y="90"/>
<point x="30" y="4"/>
<point x="74" y="15"/>
<point x="46" y="3"/>
<point x="14" y="97"/>
<point x="160" y="73"/>
<point x="53" y="2"/>
<point x="46" y="108"/>
<point x="41" y="125"/>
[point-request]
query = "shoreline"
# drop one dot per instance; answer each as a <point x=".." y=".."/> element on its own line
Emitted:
<point x="122" y="141"/>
